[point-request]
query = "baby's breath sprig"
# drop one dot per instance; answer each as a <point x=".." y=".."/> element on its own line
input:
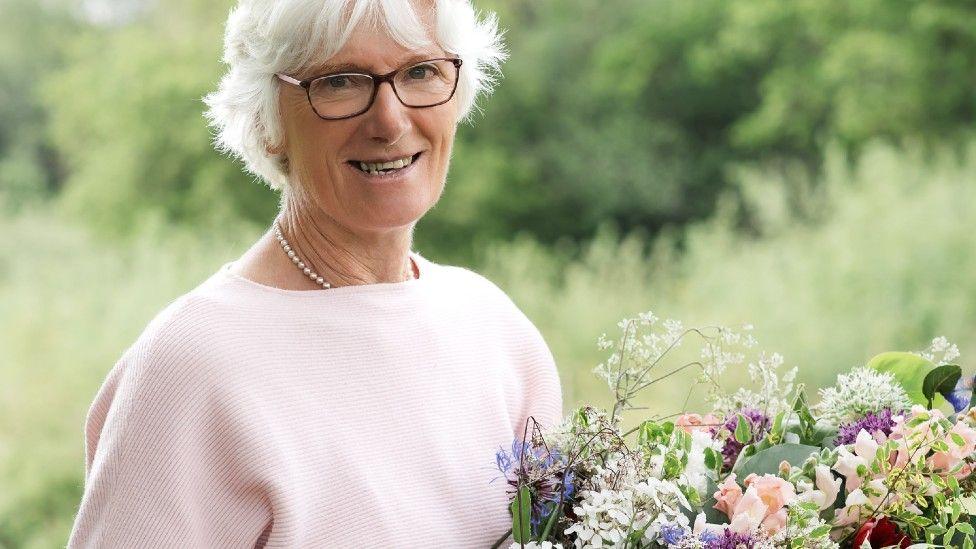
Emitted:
<point x="637" y="356"/>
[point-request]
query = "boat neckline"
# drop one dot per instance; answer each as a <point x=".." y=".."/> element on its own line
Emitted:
<point x="421" y="263"/>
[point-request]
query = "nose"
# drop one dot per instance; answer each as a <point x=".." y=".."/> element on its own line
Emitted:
<point x="387" y="119"/>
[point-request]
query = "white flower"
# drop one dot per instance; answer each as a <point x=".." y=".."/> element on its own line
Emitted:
<point x="612" y="515"/>
<point x="773" y="390"/>
<point x="940" y="346"/>
<point x="536" y="545"/>
<point x="826" y="490"/>
<point x="696" y="474"/>
<point x="859" y="392"/>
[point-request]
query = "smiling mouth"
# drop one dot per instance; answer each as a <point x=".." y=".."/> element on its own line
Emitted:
<point x="384" y="168"/>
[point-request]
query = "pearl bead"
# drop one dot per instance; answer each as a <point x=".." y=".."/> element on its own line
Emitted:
<point x="297" y="261"/>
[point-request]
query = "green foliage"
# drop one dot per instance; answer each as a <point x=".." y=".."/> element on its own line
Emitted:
<point x="31" y="45"/>
<point x="135" y="140"/>
<point x="941" y="380"/>
<point x="743" y="434"/>
<point x="521" y="509"/>
<point x="803" y="284"/>
<point x="768" y="461"/>
<point x="909" y="369"/>
<point x="640" y="119"/>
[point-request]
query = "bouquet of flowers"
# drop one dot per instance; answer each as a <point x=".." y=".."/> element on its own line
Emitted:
<point x="884" y="458"/>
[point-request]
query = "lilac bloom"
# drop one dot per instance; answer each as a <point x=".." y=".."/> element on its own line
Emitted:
<point x="871" y="422"/>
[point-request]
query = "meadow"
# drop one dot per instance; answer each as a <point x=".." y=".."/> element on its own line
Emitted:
<point x="874" y="256"/>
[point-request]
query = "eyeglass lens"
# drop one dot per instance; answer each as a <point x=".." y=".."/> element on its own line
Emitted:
<point x="422" y="85"/>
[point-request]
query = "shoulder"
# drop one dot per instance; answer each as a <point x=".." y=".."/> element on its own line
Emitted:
<point x="179" y="346"/>
<point x="472" y="282"/>
<point x="487" y="297"/>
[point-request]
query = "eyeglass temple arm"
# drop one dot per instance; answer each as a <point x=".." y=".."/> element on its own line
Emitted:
<point x="289" y="79"/>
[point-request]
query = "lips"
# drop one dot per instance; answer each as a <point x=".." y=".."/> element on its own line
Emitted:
<point x="414" y="156"/>
<point x="386" y="176"/>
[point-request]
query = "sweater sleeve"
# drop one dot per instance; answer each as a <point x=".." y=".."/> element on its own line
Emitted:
<point x="543" y="390"/>
<point x="542" y="398"/>
<point x="163" y="465"/>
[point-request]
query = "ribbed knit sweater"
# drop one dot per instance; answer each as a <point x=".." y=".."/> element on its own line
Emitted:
<point x="359" y="416"/>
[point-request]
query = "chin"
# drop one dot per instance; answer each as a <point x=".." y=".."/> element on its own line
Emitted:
<point x="391" y="219"/>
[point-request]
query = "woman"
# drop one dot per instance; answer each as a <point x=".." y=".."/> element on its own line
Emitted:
<point x="330" y="387"/>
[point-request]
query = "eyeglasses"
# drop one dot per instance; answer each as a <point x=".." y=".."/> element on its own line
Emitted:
<point x="336" y="96"/>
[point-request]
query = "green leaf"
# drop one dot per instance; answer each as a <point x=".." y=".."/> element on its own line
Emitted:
<point x="823" y="435"/>
<point x="713" y="460"/>
<point x="966" y="531"/>
<point x="743" y="432"/>
<point x="767" y="461"/>
<point x="553" y="517"/>
<point x="521" y="514"/>
<point x="802" y="410"/>
<point x="940" y="380"/>
<point x="910" y="371"/>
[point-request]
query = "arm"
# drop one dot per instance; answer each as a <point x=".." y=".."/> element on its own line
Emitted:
<point x="163" y="465"/>
<point x="543" y="389"/>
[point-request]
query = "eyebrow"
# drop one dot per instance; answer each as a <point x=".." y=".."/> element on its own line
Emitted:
<point x="354" y="67"/>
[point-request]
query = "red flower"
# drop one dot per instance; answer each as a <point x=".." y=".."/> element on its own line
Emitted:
<point x="881" y="533"/>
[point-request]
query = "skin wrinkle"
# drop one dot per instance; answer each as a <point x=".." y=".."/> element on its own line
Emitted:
<point x="348" y="231"/>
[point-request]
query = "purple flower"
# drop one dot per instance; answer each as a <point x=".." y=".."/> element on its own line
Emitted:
<point x="759" y="425"/>
<point x="872" y="422"/>
<point x="542" y="471"/>
<point x="962" y="395"/>
<point x="712" y="540"/>
<point x="730" y="540"/>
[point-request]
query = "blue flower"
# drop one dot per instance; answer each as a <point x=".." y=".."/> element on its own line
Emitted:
<point x="672" y="533"/>
<point x="503" y="460"/>
<point x="962" y="395"/>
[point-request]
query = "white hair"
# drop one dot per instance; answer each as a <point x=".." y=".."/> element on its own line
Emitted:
<point x="268" y="36"/>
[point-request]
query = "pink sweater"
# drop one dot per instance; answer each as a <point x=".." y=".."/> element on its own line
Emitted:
<point x="359" y="416"/>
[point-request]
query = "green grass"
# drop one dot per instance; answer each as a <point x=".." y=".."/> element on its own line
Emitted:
<point x="882" y="260"/>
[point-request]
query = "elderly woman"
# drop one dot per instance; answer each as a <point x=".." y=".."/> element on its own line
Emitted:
<point x="331" y="387"/>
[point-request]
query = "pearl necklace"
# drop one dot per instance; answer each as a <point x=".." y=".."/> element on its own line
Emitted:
<point x="297" y="260"/>
<point x="301" y="264"/>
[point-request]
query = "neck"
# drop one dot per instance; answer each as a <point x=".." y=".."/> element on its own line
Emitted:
<point x="344" y="257"/>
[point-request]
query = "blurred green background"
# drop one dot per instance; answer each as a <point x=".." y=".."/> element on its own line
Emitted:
<point x="805" y="166"/>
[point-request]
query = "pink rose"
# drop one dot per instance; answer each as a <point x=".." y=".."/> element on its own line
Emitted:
<point x="693" y="422"/>
<point x="749" y="513"/>
<point x="775" y="493"/>
<point x="728" y="495"/>
<point x="947" y="460"/>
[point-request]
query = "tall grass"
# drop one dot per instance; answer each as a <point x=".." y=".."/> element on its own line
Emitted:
<point x="883" y="259"/>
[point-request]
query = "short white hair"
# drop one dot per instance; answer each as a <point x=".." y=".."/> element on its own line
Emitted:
<point x="264" y="37"/>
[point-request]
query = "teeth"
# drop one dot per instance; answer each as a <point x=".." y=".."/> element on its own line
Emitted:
<point x="394" y="165"/>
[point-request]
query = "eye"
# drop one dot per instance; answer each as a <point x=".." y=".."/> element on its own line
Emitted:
<point x="336" y="81"/>
<point x="419" y="72"/>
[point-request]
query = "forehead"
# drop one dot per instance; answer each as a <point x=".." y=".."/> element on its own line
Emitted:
<point x="358" y="60"/>
<point x="383" y="41"/>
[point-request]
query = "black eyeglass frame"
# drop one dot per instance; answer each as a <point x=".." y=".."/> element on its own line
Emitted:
<point x="377" y="80"/>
